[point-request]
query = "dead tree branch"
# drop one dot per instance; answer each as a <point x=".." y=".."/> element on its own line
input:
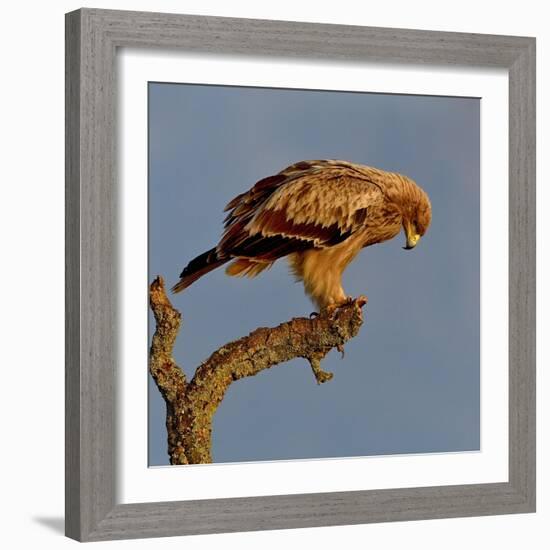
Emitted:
<point x="191" y="405"/>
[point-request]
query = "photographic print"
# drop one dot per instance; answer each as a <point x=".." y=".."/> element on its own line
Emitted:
<point x="312" y="275"/>
<point x="314" y="269"/>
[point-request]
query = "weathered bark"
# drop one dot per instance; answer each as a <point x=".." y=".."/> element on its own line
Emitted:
<point x="190" y="406"/>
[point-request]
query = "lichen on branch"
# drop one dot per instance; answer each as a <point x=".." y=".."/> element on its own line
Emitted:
<point x="191" y="405"/>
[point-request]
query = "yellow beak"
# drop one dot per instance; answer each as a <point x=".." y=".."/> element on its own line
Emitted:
<point x="412" y="241"/>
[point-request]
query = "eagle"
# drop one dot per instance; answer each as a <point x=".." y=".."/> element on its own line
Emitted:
<point x="319" y="214"/>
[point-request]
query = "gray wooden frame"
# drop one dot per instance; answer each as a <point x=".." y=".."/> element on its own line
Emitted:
<point x="92" y="38"/>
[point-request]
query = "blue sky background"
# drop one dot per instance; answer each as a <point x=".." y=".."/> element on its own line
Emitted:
<point x="409" y="383"/>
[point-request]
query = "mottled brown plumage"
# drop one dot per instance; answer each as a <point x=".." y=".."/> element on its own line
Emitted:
<point x="320" y="214"/>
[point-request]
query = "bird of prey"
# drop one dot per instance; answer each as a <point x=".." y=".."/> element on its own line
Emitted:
<point x="319" y="214"/>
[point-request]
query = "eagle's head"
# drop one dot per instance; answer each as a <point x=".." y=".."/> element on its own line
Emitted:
<point x="417" y="216"/>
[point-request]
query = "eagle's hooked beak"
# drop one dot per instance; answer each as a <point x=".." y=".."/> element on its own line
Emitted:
<point x="412" y="241"/>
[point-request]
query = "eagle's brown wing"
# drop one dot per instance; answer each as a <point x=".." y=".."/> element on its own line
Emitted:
<point x="311" y="204"/>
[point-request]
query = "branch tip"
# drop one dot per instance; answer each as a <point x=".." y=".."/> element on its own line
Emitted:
<point x="321" y="376"/>
<point x="157" y="293"/>
<point x="158" y="283"/>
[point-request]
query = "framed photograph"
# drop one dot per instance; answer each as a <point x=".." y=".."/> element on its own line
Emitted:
<point x="239" y="354"/>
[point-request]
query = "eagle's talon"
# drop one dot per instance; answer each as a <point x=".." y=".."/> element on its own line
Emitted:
<point x="328" y="311"/>
<point x="331" y="312"/>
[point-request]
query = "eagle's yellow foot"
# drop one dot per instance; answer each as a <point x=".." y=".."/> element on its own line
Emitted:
<point x="331" y="309"/>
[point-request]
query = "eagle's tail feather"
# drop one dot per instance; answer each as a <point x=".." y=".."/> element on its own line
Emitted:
<point x="243" y="267"/>
<point x="198" y="267"/>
